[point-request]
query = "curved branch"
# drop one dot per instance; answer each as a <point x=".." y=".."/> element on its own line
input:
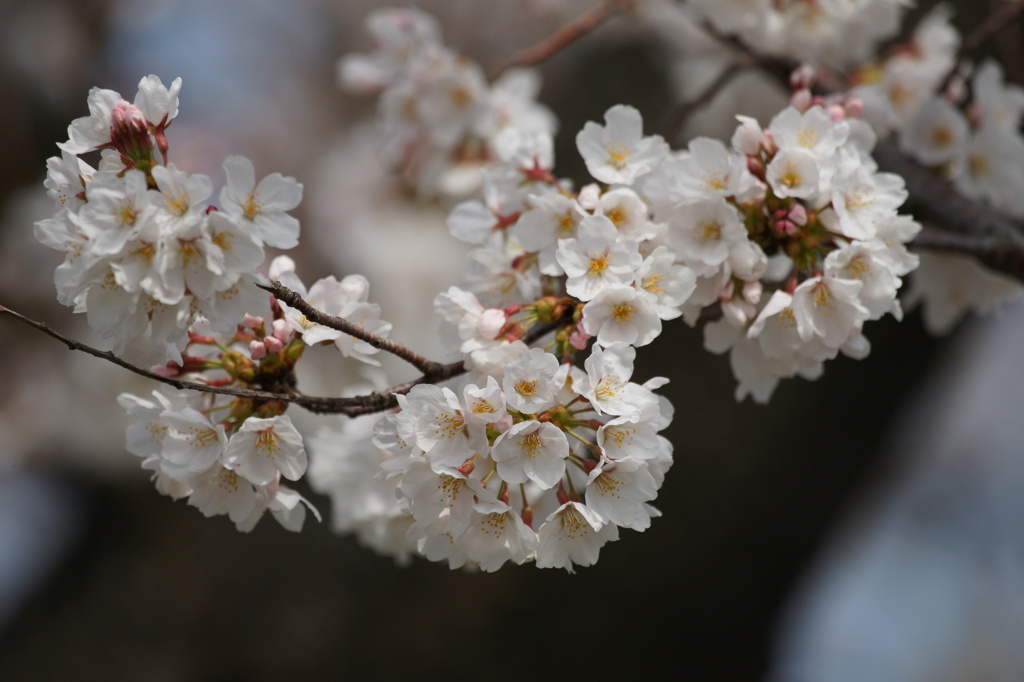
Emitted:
<point x="294" y="300"/>
<point x="993" y="24"/>
<point x="378" y="401"/>
<point x="565" y="35"/>
<point x="687" y="108"/>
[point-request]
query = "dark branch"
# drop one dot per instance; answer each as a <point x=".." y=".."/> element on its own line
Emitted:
<point x="294" y="300"/>
<point x="565" y="35"/>
<point x="377" y="401"/>
<point x="686" y="109"/>
<point x="999" y="19"/>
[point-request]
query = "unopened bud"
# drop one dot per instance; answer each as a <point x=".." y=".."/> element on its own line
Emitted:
<point x="282" y="331"/>
<point x="252" y="321"/>
<point x="129" y="133"/>
<point x="271" y="344"/>
<point x="798" y="214"/>
<point x="801" y="99"/>
<point x="802" y="77"/>
<point x="854" y="107"/>
<point x="257" y="350"/>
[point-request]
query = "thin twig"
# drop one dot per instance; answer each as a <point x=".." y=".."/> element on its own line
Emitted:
<point x="293" y="299"/>
<point x="687" y="108"/>
<point x="991" y="251"/>
<point x="985" y="31"/>
<point x="565" y="35"/>
<point x="377" y="401"/>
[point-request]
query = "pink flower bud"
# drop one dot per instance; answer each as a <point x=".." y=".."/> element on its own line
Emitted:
<point x="252" y="321"/>
<point x="802" y="77"/>
<point x="837" y="112"/>
<point x="854" y="107"/>
<point x="273" y="344"/>
<point x="257" y="349"/>
<point x="127" y="117"/>
<point x="798" y="214"/>
<point x="578" y="339"/>
<point x="801" y="99"/>
<point x="129" y="133"/>
<point x="282" y="331"/>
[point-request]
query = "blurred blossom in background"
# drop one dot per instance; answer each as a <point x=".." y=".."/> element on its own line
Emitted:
<point x="924" y="581"/>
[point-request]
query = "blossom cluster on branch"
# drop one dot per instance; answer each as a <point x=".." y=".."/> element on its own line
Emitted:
<point x="539" y="446"/>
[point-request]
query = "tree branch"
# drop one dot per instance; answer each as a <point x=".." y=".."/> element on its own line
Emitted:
<point x="377" y="401"/>
<point x="565" y="35"/>
<point x="686" y="109"/>
<point x="294" y="300"/>
<point x="993" y="24"/>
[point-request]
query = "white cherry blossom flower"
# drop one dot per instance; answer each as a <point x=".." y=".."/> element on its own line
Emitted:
<point x="668" y="284"/>
<point x="531" y="451"/>
<point x="66" y="179"/>
<point x="996" y="102"/>
<point x="628" y="213"/>
<point x="262" y="448"/>
<point x="606" y="383"/>
<point x="861" y="199"/>
<point x="710" y="169"/>
<point x="158" y="103"/>
<point x="618" y="152"/>
<point x="484" y="404"/>
<point x="119" y="209"/>
<point x="865" y="262"/>
<point x="935" y="134"/>
<point x="529" y="382"/>
<point x="192" y="443"/>
<point x="794" y="172"/>
<point x="573" y="534"/>
<point x="617" y="491"/>
<point x="704" y="232"/>
<point x="264" y="206"/>
<point x="553" y="216"/>
<point x="497" y="534"/>
<point x="467" y="325"/>
<point x="624" y="438"/>
<point x="813" y="131"/>
<point x="828" y="309"/>
<point x="597" y="258"/>
<point x="442" y="430"/>
<point x="621" y="314"/>
<point x="223" y="491"/>
<point x="432" y="493"/>
<point x="91" y="132"/>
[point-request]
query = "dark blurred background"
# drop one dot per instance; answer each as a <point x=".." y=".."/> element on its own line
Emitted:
<point x="102" y="578"/>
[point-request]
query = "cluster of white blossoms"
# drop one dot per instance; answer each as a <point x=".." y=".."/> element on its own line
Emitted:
<point x="544" y="462"/>
<point x="145" y="253"/>
<point x="235" y="473"/>
<point x="233" y="464"/>
<point x="788" y="240"/>
<point x="793" y="233"/>
<point x="837" y="32"/>
<point x="439" y="115"/>
<point x="969" y="133"/>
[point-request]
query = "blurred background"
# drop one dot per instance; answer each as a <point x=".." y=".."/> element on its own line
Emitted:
<point x="867" y="526"/>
